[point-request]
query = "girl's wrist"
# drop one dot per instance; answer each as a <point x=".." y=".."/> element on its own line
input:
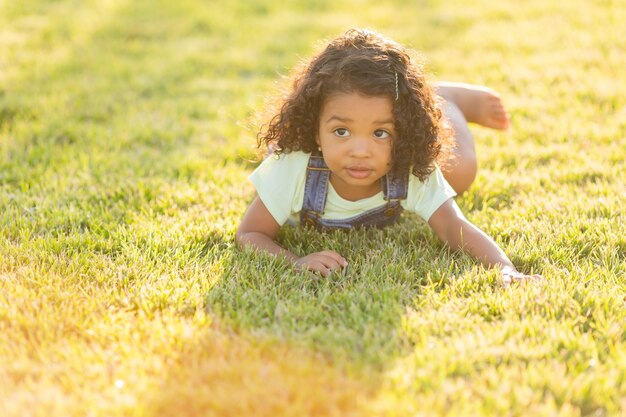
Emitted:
<point x="290" y="256"/>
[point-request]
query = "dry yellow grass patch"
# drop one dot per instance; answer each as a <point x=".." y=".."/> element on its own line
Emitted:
<point x="74" y="358"/>
<point x="230" y="375"/>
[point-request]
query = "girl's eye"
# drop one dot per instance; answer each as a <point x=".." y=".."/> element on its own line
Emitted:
<point x="342" y="132"/>
<point x="382" y="134"/>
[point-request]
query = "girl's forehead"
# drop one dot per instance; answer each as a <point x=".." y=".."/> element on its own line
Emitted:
<point x="356" y="106"/>
<point x="342" y="98"/>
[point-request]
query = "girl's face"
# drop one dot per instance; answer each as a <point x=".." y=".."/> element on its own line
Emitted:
<point x="356" y="135"/>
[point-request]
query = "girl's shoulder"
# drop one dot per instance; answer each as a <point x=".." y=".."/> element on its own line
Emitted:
<point x="435" y="181"/>
<point x="295" y="157"/>
<point x="279" y="182"/>
<point x="424" y="197"/>
<point x="284" y="167"/>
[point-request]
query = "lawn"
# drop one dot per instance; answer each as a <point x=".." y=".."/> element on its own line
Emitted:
<point x="127" y="132"/>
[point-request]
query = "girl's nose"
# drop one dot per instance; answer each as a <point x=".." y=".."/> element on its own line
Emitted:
<point x="360" y="147"/>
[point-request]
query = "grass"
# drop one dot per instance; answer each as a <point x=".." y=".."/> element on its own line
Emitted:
<point x="126" y="133"/>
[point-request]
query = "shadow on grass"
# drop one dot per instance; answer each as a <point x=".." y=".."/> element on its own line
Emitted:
<point x="353" y="316"/>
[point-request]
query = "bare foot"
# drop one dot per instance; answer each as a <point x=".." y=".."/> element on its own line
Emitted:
<point x="478" y="104"/>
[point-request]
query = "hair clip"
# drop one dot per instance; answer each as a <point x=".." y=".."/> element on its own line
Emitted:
<point x="397" y="94"/>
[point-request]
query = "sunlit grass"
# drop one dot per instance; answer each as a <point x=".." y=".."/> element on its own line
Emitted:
<point x="126" y="136"/>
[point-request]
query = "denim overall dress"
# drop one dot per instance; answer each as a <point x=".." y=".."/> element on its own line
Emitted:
<point x="316" y="189"/>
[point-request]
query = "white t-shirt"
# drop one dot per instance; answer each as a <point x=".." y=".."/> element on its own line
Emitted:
<point x="279" y="181"/>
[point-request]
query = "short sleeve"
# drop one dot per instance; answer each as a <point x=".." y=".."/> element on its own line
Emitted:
<point x="279" y="181"/>
<point x="424" y="198"/>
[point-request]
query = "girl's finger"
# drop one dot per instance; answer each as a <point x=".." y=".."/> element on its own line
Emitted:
<point x="338" y="259"/>
<point x="326" y="266"/>
<point x="320" y="267"/>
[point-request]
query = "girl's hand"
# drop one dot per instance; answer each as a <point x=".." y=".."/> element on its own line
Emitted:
<point x="512" y="276"/>
<point x="323" y="262"/>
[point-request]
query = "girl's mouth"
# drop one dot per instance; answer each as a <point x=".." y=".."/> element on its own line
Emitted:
<point x="359" y="172"/>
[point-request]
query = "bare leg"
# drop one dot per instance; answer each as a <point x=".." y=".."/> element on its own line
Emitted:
<point x="465" y="103"/>
<point x="479" y="104"/>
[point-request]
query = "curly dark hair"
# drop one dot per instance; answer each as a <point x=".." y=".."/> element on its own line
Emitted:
<point x="365" y="62"/>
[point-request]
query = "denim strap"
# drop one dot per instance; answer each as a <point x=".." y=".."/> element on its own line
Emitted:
<point x="315" y="189"/>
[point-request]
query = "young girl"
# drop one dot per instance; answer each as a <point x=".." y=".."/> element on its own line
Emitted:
<point x="360" y="138"/>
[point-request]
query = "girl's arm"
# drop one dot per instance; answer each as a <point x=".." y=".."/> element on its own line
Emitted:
<point x="449" y="223"/>
<point x="258" y="230"/>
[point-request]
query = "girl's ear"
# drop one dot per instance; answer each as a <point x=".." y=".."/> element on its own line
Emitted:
<point x="317" y="140"/>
